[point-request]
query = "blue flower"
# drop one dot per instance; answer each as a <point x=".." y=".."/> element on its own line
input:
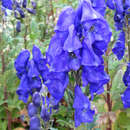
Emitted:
<point x="35" y="123"/>
<point x="126" y="77"/>
<point x="96" y="77"/>
<point x="7" y="4"/>
<point x="24" y="89"/>
<point x="72" y="42"/>
<point x="95" y="74"/>
<point x="21" y="62"/>
<point x="56" y="84"/>
<point x="86" y="6"/>
<point x="125" y="97"/>
<point x="119" y="48"/>
<point x="83" y="112"/>
<point x="32" y="110"/>
<point x="18" y="26"/>
<point x="24" y="4"/>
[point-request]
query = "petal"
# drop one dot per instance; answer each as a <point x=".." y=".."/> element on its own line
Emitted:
<point x="96" y="89"/>
<point x="74" y="64"/>
<point x="37" y="55"/>
<point x="95" y="74"/>
<point x="60" y="63"/>
<point x="35" y="83"/>
<point x="32" y="110"/>
<point x="88" y="13"/>
<point x="83" y="116"/>
<point x="55" y="88"/>
<point x="119" y="48"/>
<point x="99" y="6"/>
<point x="89" y="58"/>
<point x="66" y="19"/>
<point x="23" y="89"/>
<point x="72" y="42"/>
<point x="32" y="70"/>
<point x="35" y="123"/>
<point x="80" y="100"/>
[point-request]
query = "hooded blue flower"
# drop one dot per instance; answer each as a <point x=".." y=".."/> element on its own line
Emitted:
<point x="83" y="112"/>
<point x="35" y="123"/>
<point x="126" y="77"/>
<point x="32" y="110"/>
<point x="7" y="4"/>
<point x="56" y="84"/>
<point x="21" y="62"/>
<point x="119" y="48"/>
<point x="125" y="97"/>
<point x="58" y="59"/>
<point x="24" y="89"/>
<point x="85" y="12"/>
<point x="96" y="77"/>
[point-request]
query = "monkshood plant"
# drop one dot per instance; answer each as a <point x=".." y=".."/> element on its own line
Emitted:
<point x="76" y="50"/>
<point x="122" y="23"/>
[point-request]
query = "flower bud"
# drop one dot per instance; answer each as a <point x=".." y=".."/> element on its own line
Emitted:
<point x="32" y="110"/>
<point x="34" y="123"/>
<point x="18" y="26"/>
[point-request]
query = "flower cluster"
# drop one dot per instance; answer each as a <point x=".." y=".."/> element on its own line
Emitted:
<point x="79" y="43"/>
<point x="34" y="74"/>
<point x="126" y="95"/>
<point x="122" y="9"/>
<point x="81" y="38"/>
<point x="19" y="8"/>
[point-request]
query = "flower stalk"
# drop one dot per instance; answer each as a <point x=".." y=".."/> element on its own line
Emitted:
<point x="108" y="98"/>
